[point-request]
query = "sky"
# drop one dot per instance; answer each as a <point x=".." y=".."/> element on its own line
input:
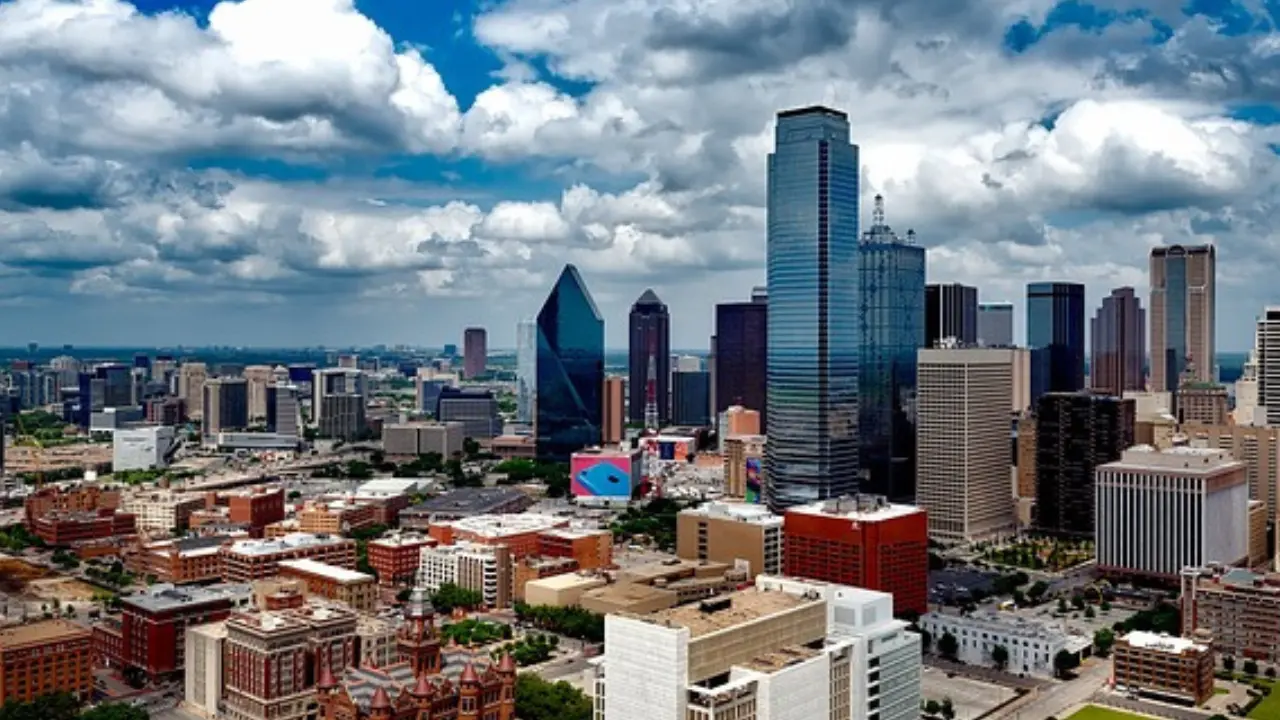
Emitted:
<point x="302" y="172"/>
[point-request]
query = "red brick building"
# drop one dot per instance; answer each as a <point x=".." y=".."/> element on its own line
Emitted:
<point x="86" y="498"/>
<point x="256" y="507"/>
<point x="181" y="562"/>
<point x="863" y="541"/>
<point x="248" y="560"/>
<point x="395" y="559"/>
<point x="64" y="528"/>
<point x="43" y="658"/>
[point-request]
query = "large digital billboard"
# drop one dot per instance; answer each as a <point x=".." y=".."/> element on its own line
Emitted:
<point x="754" y="492"/>
<point x="669" y="448"/>
<point x="599" y="475"/>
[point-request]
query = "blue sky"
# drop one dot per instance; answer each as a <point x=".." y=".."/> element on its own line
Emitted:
<point x="313" y="171"/>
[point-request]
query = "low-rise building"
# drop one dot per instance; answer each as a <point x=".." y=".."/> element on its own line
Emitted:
<point x="43" y="658"/>
<point x="377" y="641"/>
<point x="163" y="511"/>
<point x="355" y="589"/>
<point x="485" y="569"/>
<point x="182" y="561"/>
<point x="248" y="560"/>
<point x="1163" y="667"/>
<point x="589" y="548"/>
<point x="60" y="528"/>
<point x="1237" y="608"/>
<point x="256" y="507"/>
<point x="276" y="530"/>
<point x="143" y="448"/>
<point x="562" y="590"/>
<point x="514" y="447"/>
<point x="535" y="568"/>
<point x="743" y="534"/>
<point x="463" y="503"/>
<point x="1032" y="645"/>
<point x="75" y="498"/>
<point x="337" y="516"/>
<point x="395" y="558"/>
<point x="410" y="440"/>
<point x="520" y="533"/>
<point x="658" y="586"/>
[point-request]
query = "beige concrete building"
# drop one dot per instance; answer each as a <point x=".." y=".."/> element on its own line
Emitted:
<point x="1260" y="555"/>
<point x="486" y="569"/>
<point x="1183" y="287"/>
<point x="739" y="450"/>
<point x="657" y="586"/>
<point x="1153" y="420"/>
<point x="1200" y="402"/>
<point x="562" y="590"/>
<point x="191" y="379"/>
<point x="737" y="534"/>
<point x="203" y="681"/>
<point x="1239" y="609"/>
<point x="1025" y="482"/>
<point x="258" y="377"/>
<point x="962" y="442"/>
<point x="407" y="440"/>
<point x="163" y="511"/>
<point x="1257" y="447"/>
<point x="357" y="590"/>
<point x="377" y="642"/>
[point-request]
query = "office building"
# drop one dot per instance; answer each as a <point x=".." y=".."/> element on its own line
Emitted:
<point x="963" y="423"/>
<point x="202" y="681"/>
<point x="1257" y="447"/>
<point x="691" y="398"/>
<point x="738" y="420"/>
<point x="613" y="415"/>
<point x="526" y="371"/>
<point x="162" y="511"/>
<point x="1119" y="344"/>
<point x="330" y="517"/>
<point x="1183" y="303"/>
<point x="258" y="378"/>
<point x="1238" y="608"/>
<point x="570" y="369"/>
<point x="465" y="502"/>
<point x="649" y="358"/>
<point x="1055" y="335"/>
<point x="1075" y="433"/>
<point x="737" y="534"/>
<point x="255" y="507"/>
<point x="742" y="333"/>
<point x="475" y="408"/>
<point x="1201" y="402"/>
<point x="144" y="448"/>
<point x="1261" y="553"/>
<point x="475" y="352"/>
<point x="1025" y="457"/>
<point x="892" y="316"/>
<point x="485" y="569"/>
<point x="409" y="440"/>
<point x="376" y="641"/>
<point x="744" y="467"/>
<point x="283" y="410"/>
<point x="1160" y="511"/>
<point x="1163" y="667"/>
<point x="44" y="658"/>
<point x="179" y="561"/>
<point x="995" y="324"/>
<point x="395" y="558"/>
<point x="519" y="533"/>
<point x="226" y="405"/>
<point x="1267" y="350"/>
<point x="1032" y="645"/>
<point x="353" y="589"/>
<point x="191" y="379"/>
<point x="862" y="541"/>
<point x="950" y="312"/>
<point x="782" y="650"/>
<point x="814" y="296"/>
<point x="248" y="560"/>
<point x="61" y="529"/>
<point x="338" y="403"/>
<point x="1247" y="410"/>
<point x="428" y="384"/>
<point x="76" y="498"/>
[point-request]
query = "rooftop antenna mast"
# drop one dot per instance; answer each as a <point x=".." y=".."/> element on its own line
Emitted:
<point x="877" y="214"/>
<point x="651" y="386"/>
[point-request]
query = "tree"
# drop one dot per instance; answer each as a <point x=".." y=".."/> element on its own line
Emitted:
<point x="926" y="640"/>
<point x="538" y="699"/>
<point x="1000" y="656"/>
<point x="1106" y="606"/>
<point x="58" y="706"/>
<point x="1089" y="613"/>
<point x="1077" y="601"/>
<point x="1103" y="640"/>
<point x="1064" y="662"/>
<point x="932" y="708"/>
<point x="1250" y="668"/>
<point x="1037" y="591"/>
<point x="451" y="596"/>
<point x="1271" y="672"/>
<point x="948" y="709"/>
<point x="114" y="711"/>
<point x="1062" y="606"/>
<point x="948" y="646"/>
<point x="1228" y="663"/>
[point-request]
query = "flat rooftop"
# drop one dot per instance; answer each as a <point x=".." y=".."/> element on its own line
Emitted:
<point x="496" y="526"/>
<point x="736" y="511"/>
<point x="332" y="572"/>
<point x="403" y="540"/>
<point x="862" y="508"/>
<point x="40" y="633"/>
<point x="164" y="596"/>
<point x="744" y="606"/>
<point x="567" y="581"/>
<point x="292" y="541"/>
<point x="1184" y="458"/>
<point x="1163" y="642"/>
<point x="469" y="501"/>
<point x="776" y="660"/>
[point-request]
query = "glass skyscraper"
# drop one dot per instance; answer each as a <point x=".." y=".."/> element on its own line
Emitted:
<point x="650" y="326"/>
<point x="892" y="313"/>
<point x="814" y="297"/>
<point x="570" y="373"/>
<point x="1055" y="335"/>
<point x="742" y="351"/>
<point x="526" y="370"/>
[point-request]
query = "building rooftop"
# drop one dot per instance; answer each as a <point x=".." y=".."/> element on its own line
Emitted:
<point x="776" y="660"/>
<point x="402" y="540"/>
<point x="496" y="526"/>
<point x="164" y="596"/>
<point x="40" y="633"/>
<point x="469" y="501"/>
<point x="737" y="511"/>
<point x="388" y="486"/>
<point x="568" y="580"/>
<point x="265" y="621"/>
<point x="575" y="533"/>
<point x="1004" y="622"/>
<point x="1163" y="642"/>
<point x="860" y="508"/>
<point x="332" y="572"/>
<point x="733" y="610"/>
<point x="1180" y="457"/>
<point x="212" y="630"/>
<point x="292" y="541"/>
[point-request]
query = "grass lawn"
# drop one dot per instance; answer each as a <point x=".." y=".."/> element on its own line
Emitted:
<point x="1269" y="708"/>
<point x="1094" y="712"/>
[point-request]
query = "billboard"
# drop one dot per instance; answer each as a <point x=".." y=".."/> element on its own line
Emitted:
<point x="754" y="492"/>
<point x="669" y="448"/>
<point x="603" y="475"/>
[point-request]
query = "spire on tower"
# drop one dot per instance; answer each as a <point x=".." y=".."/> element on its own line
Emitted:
<point x="877" y="215"/>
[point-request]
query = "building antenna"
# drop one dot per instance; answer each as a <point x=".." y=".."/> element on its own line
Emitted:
<point x="877" y="214"/>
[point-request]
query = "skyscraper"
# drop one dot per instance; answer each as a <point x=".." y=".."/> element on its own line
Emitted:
<point x="1055" y="335"/>
<point x="1119" y="337"/>
<point x="1267" y="351"/>
<point x="892" y="327"/>
<point x="650" y="343"/>
<point x="1075" y="433"/>
<point x="814" y="295"/>
<point x="226" y="405"/>
<point x="613" y="424"/>
<point x="995" y="324"/>
<point x="951" y="311"/>
<point x="1183" y="301"/>
<point x="570" y="369"/>
<point x="475" y="351"/>
<point x="526" y="370"/>
<point x="691" y="397"/>
<point x="742" y="333"/>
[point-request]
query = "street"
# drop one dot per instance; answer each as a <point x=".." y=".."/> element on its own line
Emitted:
<point x="1060" y="699"/>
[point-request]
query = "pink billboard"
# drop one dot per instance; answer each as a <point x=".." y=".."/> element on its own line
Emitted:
<point x="601" y="475"/>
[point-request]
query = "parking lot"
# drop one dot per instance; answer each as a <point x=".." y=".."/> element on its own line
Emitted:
<point x="971" y="698"/>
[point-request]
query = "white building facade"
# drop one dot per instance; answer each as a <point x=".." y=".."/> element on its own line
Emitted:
<point x="1032" y="646"/>
<point x="469" y="565"/>
<point x="203" y="686"/>
<point x="144" y="448"/>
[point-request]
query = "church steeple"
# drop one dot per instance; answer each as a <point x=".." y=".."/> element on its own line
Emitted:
<point x="417" y="641"/>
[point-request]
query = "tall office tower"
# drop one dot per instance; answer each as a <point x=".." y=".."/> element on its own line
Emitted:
<point x="259" y="377"/>
<point x="950" y="311"/>
<point x="650" y="346"/>
<point x="1075" y="433"/>
<point x="1267" y="348"/>
<point x="191" y="379"/>
<point x="338" y="403"/>
<point x="226" y="405"/>
<point x="1119" y="338"/>
<point x="1246" y="411"/>
<point x="117" y="384"/>
<point x="691" y="398"/>
<point x="781" y="649"/>
<point x="1055" y="335"/>
<point x="892" y="326"/>
<point x="814" y="297"/>
<point x="1183" y="302"/>
<point x="570" y="369"/>
<point x="963" y="406"/>
<point x="995" y="324"/>
<point x="283" y="408"/>
<point x="742" y="333"/>
<point x="613" y="423"/>
<point x="1160" y="511"/>
<point x="526" y="370"/>
<point x="475" y="352"/>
